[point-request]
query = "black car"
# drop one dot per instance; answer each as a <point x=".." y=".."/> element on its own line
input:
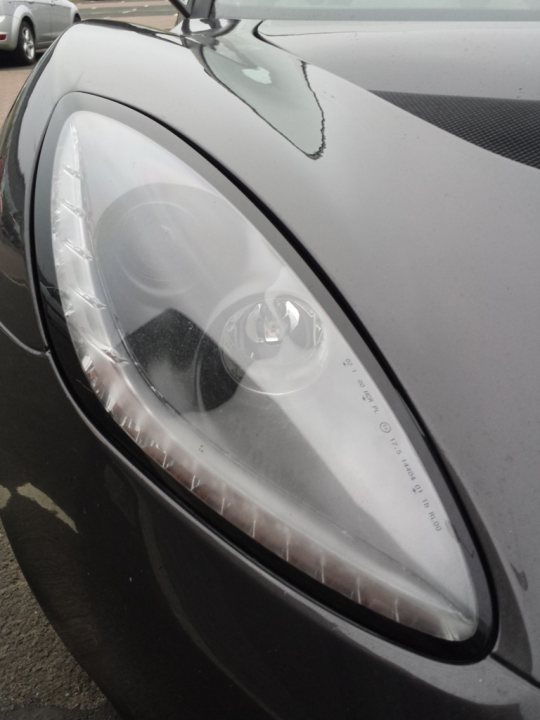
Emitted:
<point x="269" y="358"/>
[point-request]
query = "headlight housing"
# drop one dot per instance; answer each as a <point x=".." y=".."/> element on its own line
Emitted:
<point x="225" y="361"/>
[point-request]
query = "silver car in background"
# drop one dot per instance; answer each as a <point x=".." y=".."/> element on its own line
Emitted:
<point x="27" y="26"/>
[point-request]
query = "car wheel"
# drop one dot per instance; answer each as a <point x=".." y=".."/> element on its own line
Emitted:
<point x="26" y="45"/>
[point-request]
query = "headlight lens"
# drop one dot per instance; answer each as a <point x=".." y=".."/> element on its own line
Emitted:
<point x="217" y="360"/>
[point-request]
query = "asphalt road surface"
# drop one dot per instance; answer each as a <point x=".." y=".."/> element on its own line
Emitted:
<point x="39" y="680"/>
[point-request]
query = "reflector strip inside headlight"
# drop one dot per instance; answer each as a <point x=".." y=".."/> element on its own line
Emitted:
<point x="217" y="360"/>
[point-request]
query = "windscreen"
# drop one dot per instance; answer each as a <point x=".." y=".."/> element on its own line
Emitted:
<point x="413" y="10"/>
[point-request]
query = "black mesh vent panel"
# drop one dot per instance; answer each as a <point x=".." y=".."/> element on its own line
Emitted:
<point x="507" y="127"/>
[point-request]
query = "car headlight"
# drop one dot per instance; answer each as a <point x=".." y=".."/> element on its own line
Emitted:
<point x="208" y="349"/>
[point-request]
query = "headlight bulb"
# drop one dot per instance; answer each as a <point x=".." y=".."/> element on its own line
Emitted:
<point x="274" y="345"/>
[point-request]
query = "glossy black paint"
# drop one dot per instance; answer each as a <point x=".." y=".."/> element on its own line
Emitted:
<point x="413" y="226"/>
<point x="19" y="312"/>
<point x="472" y="60"/>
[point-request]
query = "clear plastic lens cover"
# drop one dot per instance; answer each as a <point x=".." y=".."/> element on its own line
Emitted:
<point x="216" y="359"/>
